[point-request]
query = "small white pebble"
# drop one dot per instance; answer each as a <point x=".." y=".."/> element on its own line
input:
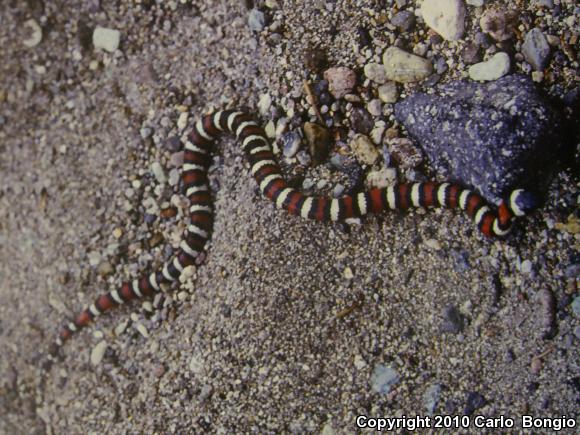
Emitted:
<point x="195" y="365"/>
<point x="142" y="330"/>
<point x="106" y="39"/>
<point x="158" y="172"/>
<point x="182" y="120"/>
<point x="433" y="244"/>
<point x="35" y="33"/>
<point x="121" y="327"/>
<point x="526" y="266"/>
<point x="98" y="353"/>
<point x="264" y="104"/>
<point x="348" y="273"/>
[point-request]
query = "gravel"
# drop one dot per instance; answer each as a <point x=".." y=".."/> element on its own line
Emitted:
<point x="266" y="335"/>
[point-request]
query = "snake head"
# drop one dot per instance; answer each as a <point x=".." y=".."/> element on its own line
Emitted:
<point x="521" y="202"/>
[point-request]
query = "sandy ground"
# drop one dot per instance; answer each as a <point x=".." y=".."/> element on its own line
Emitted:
<point x="286" y="325"/>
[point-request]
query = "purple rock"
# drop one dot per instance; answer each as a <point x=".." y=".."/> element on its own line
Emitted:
<point x="494" y="137"/>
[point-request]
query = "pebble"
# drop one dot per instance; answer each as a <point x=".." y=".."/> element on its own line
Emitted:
<point x="576" y="306"/>
<point x="341" y="81"/>
<point x="470" y="54"/>
<point x="98" y="353"/>
<point x="256" y="20"/>
<point x="142" y="330"/>
<point x="205" y="393"/>
<point x="452" y="320"/>
<point x="34" y="32"/>
<point x="291" y="143"/>
<point x="404" y="152"/>
<point x="196" y="365"/>
<point x="176" y="159"/>
<point x="121" y="327"/>
<point x="145" y="132"/>
<point x="388" y="93"/>
<point x="536" y="365"/>
<point x="382" y="178"/>
<point x="549" y="308"/>
<point x="94" y="258"/>
<point x="158" y="172"/>
<point x="105" y="268"/>
<point x="526" y="266"/>
<point x="446" y="17"/>
<point x="174" y="176"/>
<point x="264" y="104"/>
<point x="348" y="273"/>
<point x="304" y="158"/>
<point x="364" y="149"/>
<point x="474" y="401"/>
<point x="315" y="59"/>
<point x="182" y="120"/>
<point x="375" y="107"/>
<point x="476" y="3"/>
<point x="106" y="39"/>
<point x="461" y="260"/>
<point x="404" y="67"/>
<point x="403" y="20"/>
<point x="492" y="69"/>
<point x="375" y="72"/>
<point x="537" y="76"/>
<point x="536" y="49"/>
<point x="159" y="370"/>
<point x="271" y="130"/>
<point x="318" y="139"/>
<point x="361" y="120"/>
<point x="173" y="144"/>
<point x="433" y="244"/>
<point x="378" y="132"/>
<point x="328" y="429"/>
<point x="482" y="40"/>
<point x="498" y="24"/>
<point x="431" y="397"/>
<point x="383" y="379"/>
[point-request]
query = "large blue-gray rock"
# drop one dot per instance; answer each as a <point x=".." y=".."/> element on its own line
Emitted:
<point x="493" y="137"/>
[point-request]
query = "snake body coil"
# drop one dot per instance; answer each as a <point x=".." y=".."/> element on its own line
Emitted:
<point x="490" y="220"/>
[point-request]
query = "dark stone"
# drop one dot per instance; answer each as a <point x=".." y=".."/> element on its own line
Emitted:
<point x="315" y="59"/>
<point x="320" y="87"/>
<point x="474" y="402"/>
<point x="361" y="120"/>
<point x="452" y="320"/>
<point x="440" y="65"/>
<point x="403" y="20"/>
<point x="532" y="387"/>
<point x="174" y="144"/>
<point x="435" y="39"/>
<point x="494" y="137"/>
<point x="471" y="54"/>
<point x="482" y="40"/>
<point x="364" y="37"/>
<point x="326" y="98"/>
